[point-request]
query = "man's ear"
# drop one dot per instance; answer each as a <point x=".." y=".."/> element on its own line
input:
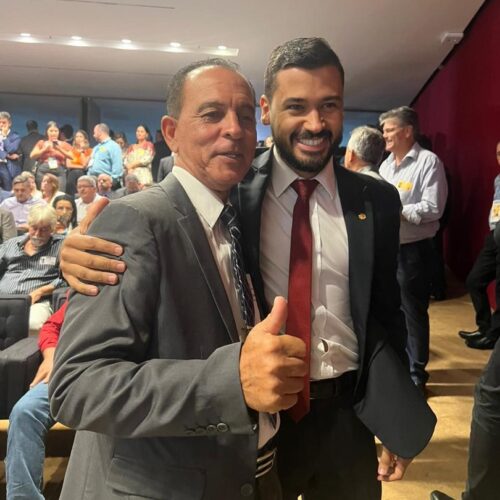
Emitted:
<point x="409" y="132"/>
<point x="265" y="110"/>
<point x="348" y="158"/>
<point x="169" y="129"/>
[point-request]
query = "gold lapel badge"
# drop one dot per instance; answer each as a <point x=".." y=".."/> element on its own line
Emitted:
<point x="362" y="216"/>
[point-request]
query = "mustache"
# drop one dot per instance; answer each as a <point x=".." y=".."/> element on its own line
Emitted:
<point x="309" y="135"/>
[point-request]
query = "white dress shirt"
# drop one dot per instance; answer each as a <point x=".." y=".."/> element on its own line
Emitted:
<point x="334" y="345"/>
<point x="81" y="207"/>
<point x="421" y="182"/>
<point x="209" y="206"/>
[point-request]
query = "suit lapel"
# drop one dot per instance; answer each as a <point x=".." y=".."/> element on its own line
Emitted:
<point x="358" y="216"/>
<point x="190" y="225"/>
<point x="248" y="197"/>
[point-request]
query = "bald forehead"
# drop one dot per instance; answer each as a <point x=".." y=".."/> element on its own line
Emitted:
<point x="216" y="74"/>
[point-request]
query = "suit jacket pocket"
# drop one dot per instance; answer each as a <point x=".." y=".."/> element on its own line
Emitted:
<point x="155" y="481"/>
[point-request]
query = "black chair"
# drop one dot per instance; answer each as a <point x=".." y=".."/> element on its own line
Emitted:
<point x="19" y="355"/>
<point x="59" y="297"/>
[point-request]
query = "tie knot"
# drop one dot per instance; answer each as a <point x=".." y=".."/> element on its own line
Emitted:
<point x="304" y="188"/>
<point x="228" y="216"/>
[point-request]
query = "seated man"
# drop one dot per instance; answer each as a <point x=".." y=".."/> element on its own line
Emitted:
<point x="21" y="203"/>
<point x="132" y="185"/>
<point x="104" y="185"/>
<point x="30" y="420"/>
<point x="87" y="192"/>
<point x="29" y="264"/>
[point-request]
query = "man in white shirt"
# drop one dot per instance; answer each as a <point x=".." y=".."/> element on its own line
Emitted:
<point x="87" y="192"/>
<point x="21" y="203"/>
<point x="419" y="177"/>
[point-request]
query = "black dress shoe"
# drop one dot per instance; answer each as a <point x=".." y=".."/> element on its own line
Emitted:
<point x="470" y="335"/>
<point x="482" y="342"/>
<point x="439" y="495"/>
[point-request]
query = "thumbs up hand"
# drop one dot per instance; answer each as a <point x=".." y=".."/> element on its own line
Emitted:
<point x="272" y="366"/>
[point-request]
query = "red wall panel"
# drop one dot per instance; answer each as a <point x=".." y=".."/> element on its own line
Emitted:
<point x="460" y="111"/>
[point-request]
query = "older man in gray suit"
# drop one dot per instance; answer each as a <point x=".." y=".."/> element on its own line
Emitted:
<point x="168" y="401"/>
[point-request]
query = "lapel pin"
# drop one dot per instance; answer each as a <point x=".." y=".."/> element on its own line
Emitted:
<point x="362" y="216"/>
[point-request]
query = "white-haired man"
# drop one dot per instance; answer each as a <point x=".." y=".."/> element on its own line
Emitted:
<point x="29" y="264"/>
<point x="87" y="192"/>
<point x="365" y="151"/>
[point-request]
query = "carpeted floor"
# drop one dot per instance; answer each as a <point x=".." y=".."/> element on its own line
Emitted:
<point x="454" y="370"/>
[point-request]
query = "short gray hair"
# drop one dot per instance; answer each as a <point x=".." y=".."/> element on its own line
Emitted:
<point x="42" y="214"/>
<point x="368" y="143"/>
<point x="87" y="178"/>
<point x="103" y="128"/>
<point x="132" y="178"/>
<point x="405" y="115"/>
<point x="20" y="179"/>
<point x="6" y="115"/>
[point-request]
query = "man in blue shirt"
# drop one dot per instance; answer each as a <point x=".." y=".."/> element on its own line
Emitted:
<point x="106" y="156"/>
<point x="420" y="179"/>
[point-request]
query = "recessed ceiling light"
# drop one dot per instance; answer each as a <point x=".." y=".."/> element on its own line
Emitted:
<point x="221" y="47"/>
<point x="26" y="35"/>
<point x="76" y="38"/>
<point x="175" y="44"/>
<point x="126" y="40"/>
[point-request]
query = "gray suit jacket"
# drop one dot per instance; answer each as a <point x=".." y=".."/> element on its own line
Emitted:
<point x="148" y="371"/>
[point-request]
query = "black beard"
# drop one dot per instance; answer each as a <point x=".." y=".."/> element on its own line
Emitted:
<point x="313" y="165"/>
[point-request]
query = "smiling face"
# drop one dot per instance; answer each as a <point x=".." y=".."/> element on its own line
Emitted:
<point x="398" y="137"/>
<point x="214" y="136"/>
<point x="306" y="115"/>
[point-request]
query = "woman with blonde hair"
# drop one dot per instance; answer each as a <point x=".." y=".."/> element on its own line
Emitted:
<point x="50" y="188"/>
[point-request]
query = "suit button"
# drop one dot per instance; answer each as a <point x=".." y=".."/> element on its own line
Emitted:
<point x="246" y="490"/>
<point x="200" y="430"/>
<point x="222" y="427"/>
<point x="189" y="432"/>
<point x="211" y="429"/>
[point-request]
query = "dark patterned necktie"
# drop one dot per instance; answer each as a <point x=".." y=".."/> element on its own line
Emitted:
<point x="230" y="220"/>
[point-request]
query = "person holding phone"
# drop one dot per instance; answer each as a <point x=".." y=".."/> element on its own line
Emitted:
<point x="51" y="155"/>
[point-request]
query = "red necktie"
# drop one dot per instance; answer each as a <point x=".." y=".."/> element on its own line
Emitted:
<point x="299" y="283"/>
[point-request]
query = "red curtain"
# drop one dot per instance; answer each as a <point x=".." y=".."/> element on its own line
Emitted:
<point x="460" y="112"/>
